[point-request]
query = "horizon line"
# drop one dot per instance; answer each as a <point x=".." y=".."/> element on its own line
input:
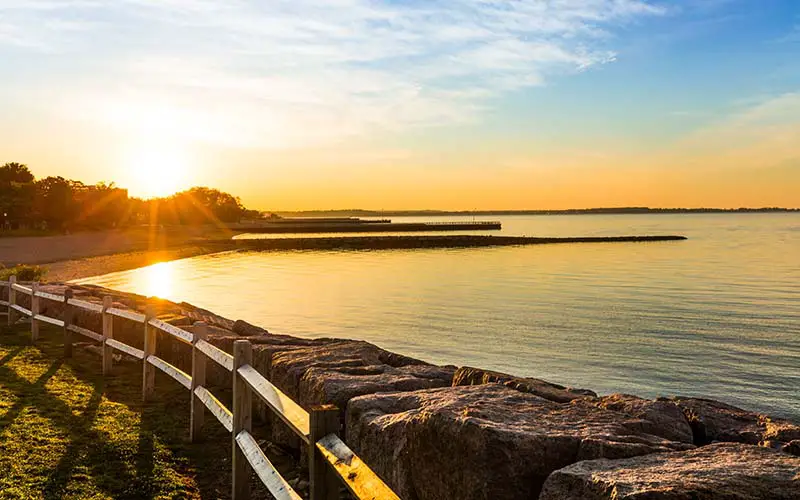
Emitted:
<point x="629" y="209"/>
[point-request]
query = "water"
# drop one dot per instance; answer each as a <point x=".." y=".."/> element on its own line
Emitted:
<point x="717" y="315"/>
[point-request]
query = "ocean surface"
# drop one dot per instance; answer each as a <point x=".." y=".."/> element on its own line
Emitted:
<point x="717" y="315"/>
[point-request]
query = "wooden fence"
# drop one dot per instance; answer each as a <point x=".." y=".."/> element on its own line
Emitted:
<point x="330" y="460"/>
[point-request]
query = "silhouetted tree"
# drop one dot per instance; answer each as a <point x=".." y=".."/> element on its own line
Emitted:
<point x="55" y="203"/>
<point x="59" y="203"/>
<point x="16" y="194"/>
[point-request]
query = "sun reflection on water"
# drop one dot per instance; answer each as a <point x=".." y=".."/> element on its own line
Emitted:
<point x="158" y="280"/>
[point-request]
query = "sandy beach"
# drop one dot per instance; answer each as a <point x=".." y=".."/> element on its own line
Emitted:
<point x="48" y="249"/>
<point x="90" y="253"/>
<point x="94" y="266"/>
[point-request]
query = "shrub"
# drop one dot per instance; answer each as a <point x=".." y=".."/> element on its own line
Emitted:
<point x="23" y="272"/>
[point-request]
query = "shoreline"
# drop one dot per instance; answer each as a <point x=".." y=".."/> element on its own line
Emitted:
<point x="80" y="268"/>
<point x="88" y="266"/>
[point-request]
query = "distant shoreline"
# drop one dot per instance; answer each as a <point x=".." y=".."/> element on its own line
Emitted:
<point x="570" y="211"/>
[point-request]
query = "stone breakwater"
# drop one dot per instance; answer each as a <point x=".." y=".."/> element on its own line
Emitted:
<point x="446" y="432"/>
<point x="423" y="241"/>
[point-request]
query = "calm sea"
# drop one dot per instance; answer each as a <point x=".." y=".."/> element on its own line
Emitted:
<point x="716" y="315"/>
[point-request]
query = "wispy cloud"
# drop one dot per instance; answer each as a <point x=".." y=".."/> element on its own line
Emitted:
<point x="290" y="72"/>
<point x="756" y="134"/>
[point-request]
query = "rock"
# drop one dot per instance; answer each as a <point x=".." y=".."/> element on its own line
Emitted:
<point x="660" y="417"/>
<point x="792" y="448"/>
<point x="264" y="346"/>
<point x="289" y="366"/>
<point x="724" y="471"/>
<point x="485" y="441"/>
<point x="334" y="371"/>
<point x="178" y="320"/>
<point x="338" y="386"/>
<point x="715" y="421"/>
<point x="245" y="329"/>
<point x="547" y="390"/>
<point x="780" y="430"/>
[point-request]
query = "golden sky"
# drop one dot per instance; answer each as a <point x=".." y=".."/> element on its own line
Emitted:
<point x="388" y="105"/>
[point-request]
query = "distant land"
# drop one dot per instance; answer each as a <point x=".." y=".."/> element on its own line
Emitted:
<point x="571" y="211"/>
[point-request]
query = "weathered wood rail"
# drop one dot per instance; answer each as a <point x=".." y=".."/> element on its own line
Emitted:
<point x="331" y="462"/>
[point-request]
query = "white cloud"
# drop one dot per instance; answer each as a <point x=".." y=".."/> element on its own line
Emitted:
<point x="293" y="72"/>
<point x="757" y="134"/>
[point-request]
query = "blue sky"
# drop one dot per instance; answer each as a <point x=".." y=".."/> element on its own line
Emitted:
<point x="356" y="90"/>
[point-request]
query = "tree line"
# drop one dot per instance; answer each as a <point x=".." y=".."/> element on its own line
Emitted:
<point x="59" y="204"/>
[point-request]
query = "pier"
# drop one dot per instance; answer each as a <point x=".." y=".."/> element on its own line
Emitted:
<point x="347" y="225"/>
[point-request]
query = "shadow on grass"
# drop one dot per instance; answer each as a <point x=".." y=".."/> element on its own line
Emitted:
<point x="11" y="415"/>
<point x="115" y="444"/>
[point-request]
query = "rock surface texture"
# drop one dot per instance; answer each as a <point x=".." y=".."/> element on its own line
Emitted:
<point x="723" y="471"/>
<point x="715" y="421"/>
<point x="486" y="441"/>
<point x="338" y="370"/>
<point x="661" y="417"/>
<point x="547" y="390"/>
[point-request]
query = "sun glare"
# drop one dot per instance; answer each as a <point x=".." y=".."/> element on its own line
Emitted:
<point x="158" y="280"/>
<point x="157" y="172"/>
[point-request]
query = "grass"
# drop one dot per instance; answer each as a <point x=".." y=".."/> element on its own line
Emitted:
<point x="68" y="432"/>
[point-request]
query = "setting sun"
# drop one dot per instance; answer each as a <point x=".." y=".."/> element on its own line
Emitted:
<point x="157" y="172"/>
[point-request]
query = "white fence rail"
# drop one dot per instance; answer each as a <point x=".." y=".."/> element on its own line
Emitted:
<point x="330" y="460"/>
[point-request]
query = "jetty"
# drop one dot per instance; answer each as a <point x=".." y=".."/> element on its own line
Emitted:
<point x="357" y="225"/>
<point x="427" y="241"/>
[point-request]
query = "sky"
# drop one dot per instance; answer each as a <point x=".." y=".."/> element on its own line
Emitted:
<point x="410" y="104"/>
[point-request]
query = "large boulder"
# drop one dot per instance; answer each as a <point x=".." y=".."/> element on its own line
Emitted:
<point x="243" y="328"/>
<point x="792" y="447"/>
<point x="330" y="371"/>
<point x="716" y="421"/>
<point x="348" y="360"/>
<point x="723" y="471"/>
<point x="660" y="417"/>
<point x="485" y="441"/>
<point x="476" y="376"/>
<point x="338" y="386"/>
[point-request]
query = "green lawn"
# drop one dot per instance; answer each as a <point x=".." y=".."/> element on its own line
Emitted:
<point x="68" y="432"/>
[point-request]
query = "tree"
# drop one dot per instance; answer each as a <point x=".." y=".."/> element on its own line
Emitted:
<point x="60" y="203"/>
<point x="55" y="204"/>
<point x="16" y="195"/>
<point x="14" y="172"/>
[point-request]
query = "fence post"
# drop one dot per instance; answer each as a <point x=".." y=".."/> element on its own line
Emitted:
<point x="12" y="299"/>
<point x="34" y="312"/>
<point x="242" y="419"/>
<point x="68" y="313"/>
<point x="198" y="379"/>
<point x="323" y="420"/>
<point x="148" y="370"/>
<point x="108" y="333"/>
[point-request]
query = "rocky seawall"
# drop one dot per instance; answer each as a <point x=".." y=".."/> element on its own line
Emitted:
<point x="429" y="241"/>
<point x="446" y="432"/>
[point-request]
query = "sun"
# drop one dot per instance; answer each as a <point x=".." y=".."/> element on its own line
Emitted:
<point x="156" y="172"/>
